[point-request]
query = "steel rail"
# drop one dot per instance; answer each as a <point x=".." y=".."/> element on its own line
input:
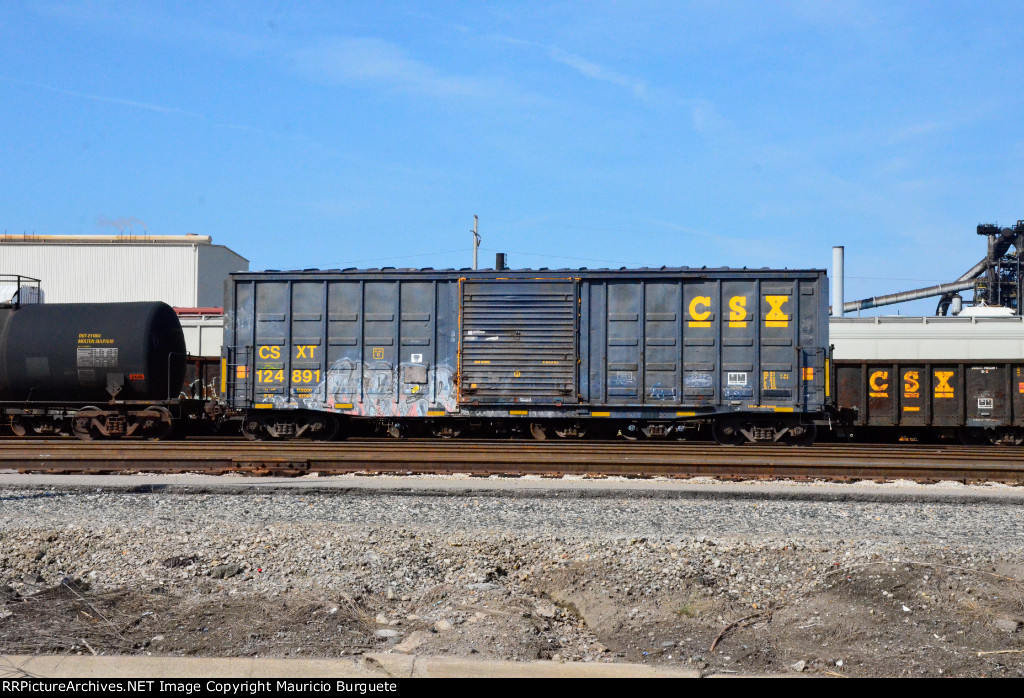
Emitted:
<point x="513" y="458"/>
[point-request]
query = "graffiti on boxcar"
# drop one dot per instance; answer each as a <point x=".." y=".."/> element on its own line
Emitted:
<point x="375" y="389"/>
<point x="698" y="379"/>
<point x="660" y="392"/>
<point x="621" y="379"/>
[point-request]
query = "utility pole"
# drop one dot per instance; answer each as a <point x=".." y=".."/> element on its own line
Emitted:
<point x="476" y="239"/>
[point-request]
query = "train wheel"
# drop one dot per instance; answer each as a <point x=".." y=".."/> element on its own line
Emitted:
<point x="802" y="435"/>
<point x="539" y="431"/>
<point x="19" y="426"/>
<point x="158" y="422"/>
<point x="727" y="432"/>
<point x="252" y="429"/>
<point x="82" y="423"/>
<point x="323" y="428"/>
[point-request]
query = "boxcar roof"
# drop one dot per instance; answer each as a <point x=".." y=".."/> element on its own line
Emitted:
<point x="743" y="272"/>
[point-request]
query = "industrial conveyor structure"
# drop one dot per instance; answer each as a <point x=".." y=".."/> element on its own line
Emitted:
<point x="996" y="279"/>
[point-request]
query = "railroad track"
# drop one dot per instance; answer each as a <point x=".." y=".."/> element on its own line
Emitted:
<point x="482" y="458"/>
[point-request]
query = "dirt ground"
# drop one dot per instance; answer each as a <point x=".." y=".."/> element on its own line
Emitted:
<point x="877" y="619"/>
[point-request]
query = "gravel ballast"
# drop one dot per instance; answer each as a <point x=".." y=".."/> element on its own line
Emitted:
<point x="775" y="584"/>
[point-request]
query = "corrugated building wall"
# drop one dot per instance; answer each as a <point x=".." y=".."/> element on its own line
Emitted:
<point x="182" y="271"/>
<point x="959" y="338"/>
<point x="204" y="334"/>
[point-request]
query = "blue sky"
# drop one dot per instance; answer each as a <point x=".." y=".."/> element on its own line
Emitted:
<point x="583" y="134"/>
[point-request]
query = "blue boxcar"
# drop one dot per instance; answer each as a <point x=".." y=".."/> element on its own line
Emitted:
<point x="649" y="350"/>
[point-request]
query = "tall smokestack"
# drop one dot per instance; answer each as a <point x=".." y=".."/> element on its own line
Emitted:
<point x="837" y="280"/>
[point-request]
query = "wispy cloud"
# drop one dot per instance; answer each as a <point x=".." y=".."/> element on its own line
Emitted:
<point x="597" y="71"/>
<point x="919" y="130"/>
<point x="148" y="106"/>
<point x="379" y="62"/>
<point x="704" y="116"/>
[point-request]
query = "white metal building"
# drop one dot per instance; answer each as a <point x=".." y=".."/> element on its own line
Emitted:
<point x="204" y="331"/>
<point x="185" y="271"/>
<point x="927" y="338"/>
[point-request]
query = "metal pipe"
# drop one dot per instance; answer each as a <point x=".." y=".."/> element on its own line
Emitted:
<point x="999" y="242"/>
<point x="972" y="273"/>
<point x="906" y="296"/>
<point x="476" y="240"/>
<point x="838" y="252"/>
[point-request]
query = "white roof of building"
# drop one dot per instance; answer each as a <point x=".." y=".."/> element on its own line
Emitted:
<point x="107" y="239"/>
<point x="927" y="338"/>
<point x="180" y="270"/>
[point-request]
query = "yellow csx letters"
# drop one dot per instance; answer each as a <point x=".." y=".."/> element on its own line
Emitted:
<point x="911" y="385"/>
<point x="700" y="311"/>
<point x="700" y="318"/>
<point x="305" y="351"/>
<point x="270" y="352"/>
<point x="878" y="388"/>
<point x="775" y="316"/>
<point x="943" y="388"/>
<point x="738" y="311"/>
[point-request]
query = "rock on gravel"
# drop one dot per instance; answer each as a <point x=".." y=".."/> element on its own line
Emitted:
<point x="225" y="571"/>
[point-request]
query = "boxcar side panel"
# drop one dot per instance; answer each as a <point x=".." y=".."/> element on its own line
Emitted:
<point x="778" y="350"/>
<point x="271" y="342"/>
<point x="624" y="351"/>
<point x="306" y="374"/>
<point x="662" y="373"/>
<point x="380" y="347"/>
<point x="344" y="344"/>
<point x="740" y="319"/>
<point x="811" y="352"/>
<point x="700" y="350"/>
